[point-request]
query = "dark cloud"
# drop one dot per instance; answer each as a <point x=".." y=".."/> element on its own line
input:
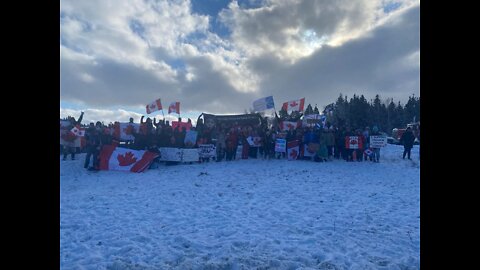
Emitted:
<point x="375" y="64"/>
<point x="114" y="84"/>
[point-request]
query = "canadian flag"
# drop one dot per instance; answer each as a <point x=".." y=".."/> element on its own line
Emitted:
<point x="353" y="142"/>
<point x="124" y="131"/>
<point x="174" y="107"/>
<point x="154" y="106"/>
<point x="124" y="159"/>
<point x="294" y="105"/>
<point x="78" y="131"/>
<point x="287" y="125"/>
<point x="293" y="150"/>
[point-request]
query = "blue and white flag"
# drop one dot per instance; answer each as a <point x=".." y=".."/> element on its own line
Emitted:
<point x="263" y="104"/>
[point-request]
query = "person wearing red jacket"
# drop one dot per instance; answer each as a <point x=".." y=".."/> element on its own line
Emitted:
<point x="231" y="144"/>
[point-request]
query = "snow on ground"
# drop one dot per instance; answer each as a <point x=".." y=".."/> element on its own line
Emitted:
<point x="246" y="214"/>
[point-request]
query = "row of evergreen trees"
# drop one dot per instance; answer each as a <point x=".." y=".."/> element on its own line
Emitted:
<point x="360" y="113"/>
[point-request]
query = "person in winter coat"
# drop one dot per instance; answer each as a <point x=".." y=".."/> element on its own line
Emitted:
<point x="229" y="146"/>
<point x="179" y="134"/>
<point x="245" y="146"/>
<point x="361" y="146"/>
<point x="93" y="141"/>
<point x="407" y="140"/>
<point x="366" y="138"/>
<point x="375" y="157"/>
<point x="68" y="137"/>
<point x="340" y="143"/>
<point x="220" y="143"/>
<point x="268" y="145"/>
<point x="330" y="140"/>
<point x="322" y="153"/>
<point x="348" y="152"/>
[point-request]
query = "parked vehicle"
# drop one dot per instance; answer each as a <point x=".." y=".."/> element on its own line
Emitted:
<point x="398" y="132"/>
<point x="392" y="140"/>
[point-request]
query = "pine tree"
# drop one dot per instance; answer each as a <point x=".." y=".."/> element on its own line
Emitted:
<point x="376" y="111"/>
<point x="340" y="111"/>
<point x="283" y="114"/>
<point x="410" y="110"/>
<point x="363" y="118"/>
<point x="390" y="117"/>
<point x="315" y="110"/>
<point x="382" y="125"/>
<point x="399" y="121"/>
<point x="309" y="110"/>
<point x="417" y="110"/>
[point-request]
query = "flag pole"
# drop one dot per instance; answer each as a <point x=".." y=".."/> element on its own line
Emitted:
<point x="277" y="123"/>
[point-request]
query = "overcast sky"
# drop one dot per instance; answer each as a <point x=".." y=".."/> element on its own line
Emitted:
<point x="218" y="56"/>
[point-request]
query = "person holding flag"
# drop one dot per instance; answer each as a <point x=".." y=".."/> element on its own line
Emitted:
<point x="68" y="137"/>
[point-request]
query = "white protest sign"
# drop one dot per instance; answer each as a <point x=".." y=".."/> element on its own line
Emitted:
<point x="280" y="145"/>
<point x="190" y="155"/>
<point x="378" y="141"/>
<point x="170" y="154"/>
<point x="207" y="150"/>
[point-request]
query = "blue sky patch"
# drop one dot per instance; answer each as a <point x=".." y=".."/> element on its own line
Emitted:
<point x="137" y="28"/>
<point x="212" y="8"/>
<point x="177" y="63"/>
<point x="250" y="4"/>
<point x="391" y="7"/>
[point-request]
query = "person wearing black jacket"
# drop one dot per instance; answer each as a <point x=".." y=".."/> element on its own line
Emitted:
<point x="340" y="144"/>
<point x="376" y="151"/>
<point x="93" y="140"/>
<point x="407" y="140"/>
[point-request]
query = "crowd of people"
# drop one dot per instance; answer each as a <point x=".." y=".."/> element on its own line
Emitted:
<point x="328" y="141"/>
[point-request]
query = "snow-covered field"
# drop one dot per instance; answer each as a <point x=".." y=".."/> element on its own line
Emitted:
<point x="246" y="214"/>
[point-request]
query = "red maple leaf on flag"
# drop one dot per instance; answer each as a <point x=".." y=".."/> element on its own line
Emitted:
<point x="128" y="130"/>
<point x="293" y="104"/>
<point x="353" y="142"/>
<point x="294" y="153"/>
<point x="127" y="159"/>
<point x="152" y="106"/>
<point x="290" y="126"/>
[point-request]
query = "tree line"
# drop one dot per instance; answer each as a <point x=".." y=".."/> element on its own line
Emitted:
<point x="358" y="112"/>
